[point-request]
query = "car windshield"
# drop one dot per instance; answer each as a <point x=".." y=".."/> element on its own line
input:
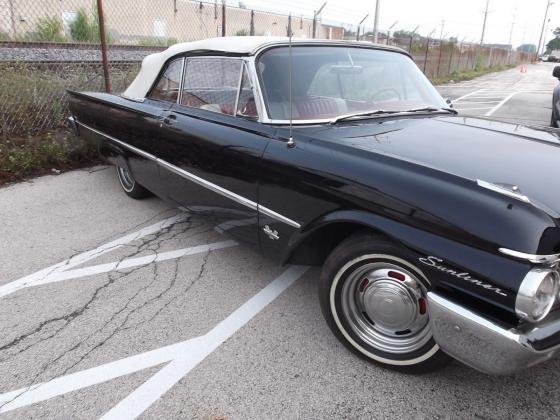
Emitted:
<point x="333" y="81"/>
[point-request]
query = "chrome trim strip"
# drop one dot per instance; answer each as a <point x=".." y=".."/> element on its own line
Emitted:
<point x="202" y="182"/>
<point x="270" y="213"/>
<point x="119" y="142"/>
<point x="503" y="190"/>
<point x="534" y="258"/>
<point x="206" y="184"/>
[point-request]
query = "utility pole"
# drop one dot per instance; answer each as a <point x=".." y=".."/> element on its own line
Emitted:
<point x="376" y="21"/>
<point x="484" y="24"/>
<point x="316" y="14"/>
<point x="548" y="4"/>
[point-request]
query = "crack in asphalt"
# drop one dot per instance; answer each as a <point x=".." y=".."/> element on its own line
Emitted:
<point x="139" y="248"/>
<point x="151" y="242"/>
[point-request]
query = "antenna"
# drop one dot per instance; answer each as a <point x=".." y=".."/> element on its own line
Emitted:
<point x="291" y="142"/>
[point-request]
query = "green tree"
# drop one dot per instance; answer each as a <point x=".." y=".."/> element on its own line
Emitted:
<point x="401" y="33"/>
<point x="527" y="48"/>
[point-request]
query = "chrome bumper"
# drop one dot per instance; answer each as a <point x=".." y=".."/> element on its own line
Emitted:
<point x="487" y="346"/>
<point x="73" y="125"/>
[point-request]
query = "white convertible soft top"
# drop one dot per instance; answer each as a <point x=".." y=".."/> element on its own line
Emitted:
<point x="151" y="65"/>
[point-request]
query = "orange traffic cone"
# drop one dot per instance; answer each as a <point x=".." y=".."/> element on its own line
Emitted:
<point x="523" y="69"/>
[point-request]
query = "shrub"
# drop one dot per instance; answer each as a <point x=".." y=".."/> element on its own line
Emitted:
<point x="49" y="29"/>
<point x="242" y="32"/>
<point x="158" y="42"/>
<point x="85" y="27"/>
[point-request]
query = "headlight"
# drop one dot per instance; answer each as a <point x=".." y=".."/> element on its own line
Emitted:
<point x="536" y="294"/>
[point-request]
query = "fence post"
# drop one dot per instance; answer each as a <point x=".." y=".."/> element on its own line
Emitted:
<point x="426" y="54"/>
<point x="451" y="58"/>
<point x="314" y="24"/>
<point x="103" y="46"/>
<point x="252" y="27"/>
<point x="289" y="28"/>
<point x="439" y="57"/>
<point x="223" y="17"/>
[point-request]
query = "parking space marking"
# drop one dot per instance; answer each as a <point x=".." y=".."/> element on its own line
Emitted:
<point x="466" y="96"/>
<point x="133" y="262"/>
<point x="41" y="275"/>
<point x="180" y="357"/>
<point x="507" y="98"/>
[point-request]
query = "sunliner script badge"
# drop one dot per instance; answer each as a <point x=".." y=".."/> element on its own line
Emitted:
<point x="436" y="263"/>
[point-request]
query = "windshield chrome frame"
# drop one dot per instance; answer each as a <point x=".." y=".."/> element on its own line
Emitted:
<point x="258" y="90"/>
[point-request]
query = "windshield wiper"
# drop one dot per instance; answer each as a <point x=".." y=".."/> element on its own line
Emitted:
<point x="362" y="114"/>
<point x="432" y="109"/>
<point x="383" y="111"/>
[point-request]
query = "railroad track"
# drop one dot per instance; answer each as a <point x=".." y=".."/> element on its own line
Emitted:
<point x="54" y="63"/>
<point x="77" y="46"/>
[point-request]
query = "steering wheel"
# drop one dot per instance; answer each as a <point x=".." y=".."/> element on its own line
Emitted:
<point x="373" y="96"/>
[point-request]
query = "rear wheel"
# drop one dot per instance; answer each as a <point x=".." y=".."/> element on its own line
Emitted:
<point x="375" y="302"/>
<point x="129" y="184"/>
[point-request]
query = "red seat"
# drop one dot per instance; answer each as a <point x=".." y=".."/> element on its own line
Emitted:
<point x="314" y="107"/>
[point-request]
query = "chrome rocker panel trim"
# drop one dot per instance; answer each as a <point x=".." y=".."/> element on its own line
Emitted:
<point x="196" y="179"/>
<point x="487" y="346"/>
<point x="533" y="258"/>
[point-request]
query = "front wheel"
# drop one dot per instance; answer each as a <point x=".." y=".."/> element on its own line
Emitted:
<point x="375" y="302"/>
<point x="129" y="185"/>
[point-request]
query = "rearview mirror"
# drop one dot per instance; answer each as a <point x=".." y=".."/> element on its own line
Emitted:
<point x="556" y="72"/>
<point x="341" y="69"/>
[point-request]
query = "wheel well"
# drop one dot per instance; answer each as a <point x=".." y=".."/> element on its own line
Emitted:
<point x="317" y="246"/>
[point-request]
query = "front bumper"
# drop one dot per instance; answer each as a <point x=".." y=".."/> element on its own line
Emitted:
<point x="487" y="346"/>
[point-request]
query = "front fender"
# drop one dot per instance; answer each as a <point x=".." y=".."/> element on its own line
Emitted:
<point x="456" y="268"/>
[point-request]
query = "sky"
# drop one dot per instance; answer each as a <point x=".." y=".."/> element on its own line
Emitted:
<point x="461" y="18"/>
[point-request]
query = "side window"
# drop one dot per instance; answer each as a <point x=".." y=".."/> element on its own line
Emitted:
<point x="211" y="84"/>
<point x="246" y="105"/>
<point x="167" y="88"/>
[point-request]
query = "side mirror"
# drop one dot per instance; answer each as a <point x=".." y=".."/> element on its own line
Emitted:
<point x="556" y="72"/>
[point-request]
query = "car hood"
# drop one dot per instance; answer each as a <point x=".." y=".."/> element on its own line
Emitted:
<point x="472" y="148"/>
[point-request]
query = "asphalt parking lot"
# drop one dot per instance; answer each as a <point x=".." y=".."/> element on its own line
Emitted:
<point x="120" y="308"/>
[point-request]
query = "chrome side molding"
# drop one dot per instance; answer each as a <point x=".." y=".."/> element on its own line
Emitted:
<point x="512" y="191"/>
<point x="198" y="180"/>
<point x="533" y="258"/>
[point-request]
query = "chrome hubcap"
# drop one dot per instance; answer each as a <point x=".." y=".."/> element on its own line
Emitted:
<point x="385" y="306"/>
<point x="125" y="178"/>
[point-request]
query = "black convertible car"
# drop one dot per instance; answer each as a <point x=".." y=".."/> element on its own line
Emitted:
<point x="438" y="234"/>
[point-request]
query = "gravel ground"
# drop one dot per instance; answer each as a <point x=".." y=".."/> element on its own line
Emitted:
<point x="67" y="54"/>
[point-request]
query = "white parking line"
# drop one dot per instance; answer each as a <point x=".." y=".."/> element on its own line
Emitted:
<point x="133" y="262"/>
<point x="35" y="278"/>
<point x="466" y="96"/>
<point x="469" y="109"/>
<point x="507" y="98"/>
<point x="183" y="357"/>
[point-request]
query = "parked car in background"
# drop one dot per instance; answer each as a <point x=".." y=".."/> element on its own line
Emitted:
<point x="555" y="118"/>
<point x="435" y="232"/>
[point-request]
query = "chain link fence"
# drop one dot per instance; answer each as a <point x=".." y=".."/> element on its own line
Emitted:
<point x="50" y="46"/>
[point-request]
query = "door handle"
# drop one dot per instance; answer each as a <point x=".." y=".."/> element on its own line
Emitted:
<point x="170" y="119"/>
